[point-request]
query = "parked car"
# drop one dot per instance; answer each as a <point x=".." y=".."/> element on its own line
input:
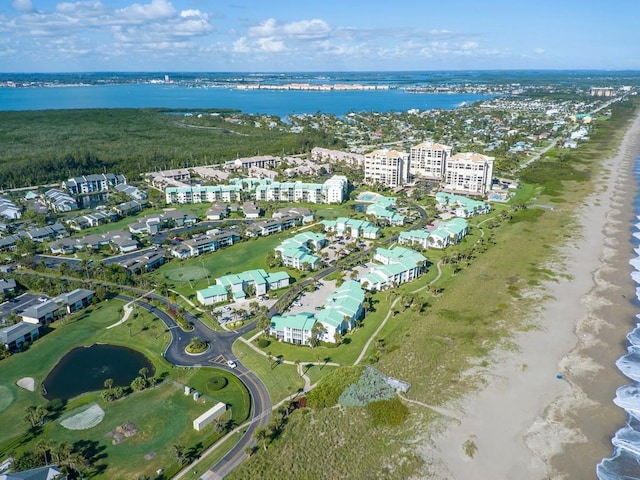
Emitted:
<point x="231" y="364"/>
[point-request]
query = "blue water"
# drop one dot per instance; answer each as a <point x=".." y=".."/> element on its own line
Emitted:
<point x="272" y="102"/>
<point x="625" y="461"/>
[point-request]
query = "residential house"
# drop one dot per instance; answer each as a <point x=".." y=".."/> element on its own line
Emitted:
<point x="399" y="265"/>
<point x="75" y="300"/>
<point x="242" y="285"/>
<point x="351" y="227"/>
<point x="296" y="252"/>
<point x="7" y="286"/>
<point x="461" y="206"/>
<point x="303" y="212"/>
<point x="47" y="232"/>
<point x="414" y="237"/>
<point x="49" y="472"/>
<point x="217" y="211"/>
<point x="448" y="233"/>
<point x="212" y="294"/>
<point x="133" y="192"/>
<point x="383" y="209"/>
<point x="59" y="201"/>
<point x="325" y="155"/>
<point x="9" y="210"/>
<point x="40" y="313"/>
<point x="294" y="329"/>
<point x="204" y="244"/>
<point x="147" y="261"/>
<point x="14" y="336"/>
<point x="251" y="210"/>
<point x="339" y="315"/>
<point x="94" y="183"/>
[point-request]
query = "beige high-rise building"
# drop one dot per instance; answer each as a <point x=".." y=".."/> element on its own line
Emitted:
<point x="427" y="160"/>
<point x="387" y="167"/>
<point x="469" y="173"/>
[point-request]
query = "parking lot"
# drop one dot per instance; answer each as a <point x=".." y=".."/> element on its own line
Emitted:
<point x="241" y="307"/>
<point x="312" y="301"/>
<point x="19" y="304"/>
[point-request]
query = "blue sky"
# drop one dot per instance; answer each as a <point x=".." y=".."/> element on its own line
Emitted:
<point x="316" y="35"/>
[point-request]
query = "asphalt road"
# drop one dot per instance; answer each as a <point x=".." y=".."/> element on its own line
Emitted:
<point x="219" y="352"/>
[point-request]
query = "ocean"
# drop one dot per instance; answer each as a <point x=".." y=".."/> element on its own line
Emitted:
<point x="272" y="102"/>
<point x="625" y="461"/>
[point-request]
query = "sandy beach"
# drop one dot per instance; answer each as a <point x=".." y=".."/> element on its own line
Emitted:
<point x="528" y="423"/>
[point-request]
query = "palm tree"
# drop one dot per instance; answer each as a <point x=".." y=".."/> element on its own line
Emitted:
<point x="108" y="383"/>
<point x="262" y="435"/>
<point x="180" y="454"/>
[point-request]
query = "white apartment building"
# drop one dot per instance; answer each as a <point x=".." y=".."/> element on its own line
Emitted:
<point x="334" y="190"/>
<point x="202" y="194"/>
<point x="326" y="155"/>
<point x="386" y="167"/>
<point x="428" y="160"/>
<point x="469" y="173"/>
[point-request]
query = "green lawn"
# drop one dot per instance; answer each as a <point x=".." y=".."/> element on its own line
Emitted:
<point x="281" y="380"/>
<point x="163" y="414"/>
<point x="344" y="354"/>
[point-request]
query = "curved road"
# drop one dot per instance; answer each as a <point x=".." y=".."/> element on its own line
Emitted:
<point x="220" y="351"/>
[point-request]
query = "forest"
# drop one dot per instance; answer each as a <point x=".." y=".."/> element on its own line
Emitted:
<point x="40" y="147"/>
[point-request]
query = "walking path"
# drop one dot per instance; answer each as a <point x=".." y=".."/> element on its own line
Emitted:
<point x="127" y="309"/>
<point x="375" y="334"/>
<point x="442" y="411"/>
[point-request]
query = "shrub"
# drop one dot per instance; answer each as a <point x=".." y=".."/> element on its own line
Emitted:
<point x="263" y="343"/>
<point x="330" y="388"/>
<point x="370" y="387"/>
<point x="217" y="383"/>
<point x="387" y="412"/>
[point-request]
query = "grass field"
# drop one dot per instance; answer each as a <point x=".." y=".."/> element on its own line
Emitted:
<point x="163" y="414"/>
<point x="478" y="310"/>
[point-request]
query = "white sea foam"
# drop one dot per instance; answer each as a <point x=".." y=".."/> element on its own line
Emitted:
<point x="628" y="439"/>
<point x="635" y="263"/>
<point x="629" y="364"/>
<point x="622" y="465"/>
<point x="634" y="335"/>
<point x="628" y="398"/>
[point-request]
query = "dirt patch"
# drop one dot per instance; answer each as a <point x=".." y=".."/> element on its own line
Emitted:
<point x="122" y="432"/>
<point x="28" y="383"/>
<point x="150" y="456"/>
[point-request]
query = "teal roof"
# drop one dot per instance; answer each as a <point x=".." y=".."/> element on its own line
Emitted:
<point x="302" y="321"/>
<point x="414" y="234"/>
<point x="213" y="291"/>
<point x="277" y="277"/>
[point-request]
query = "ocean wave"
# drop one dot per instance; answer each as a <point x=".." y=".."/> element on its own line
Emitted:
<point x="623" y="465"/>
<point x="634" y="335"/>
<point x="629" y="364"/>
<point x="628" y="398"/>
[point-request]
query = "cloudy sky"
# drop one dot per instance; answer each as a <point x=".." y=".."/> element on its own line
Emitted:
<point x="316" y="35"/>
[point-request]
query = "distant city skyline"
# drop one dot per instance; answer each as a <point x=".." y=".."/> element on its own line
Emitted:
<point x="279" y="35"/>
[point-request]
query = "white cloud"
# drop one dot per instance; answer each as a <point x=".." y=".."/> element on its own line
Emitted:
<point x="307" y="29"/>
<point x="70" y="8"/>
<point x="265" y="29"/>
<point x="270" y="45"/>
<point x="538" y="51"/>
<point x="22" y="5"/>
<point x="156" y="10"/>
<point x="469" y="45"/>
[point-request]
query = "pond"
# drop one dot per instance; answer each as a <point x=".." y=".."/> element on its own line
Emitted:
<point x="84" y="369"/>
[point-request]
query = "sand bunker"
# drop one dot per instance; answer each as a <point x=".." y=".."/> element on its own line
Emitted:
<point x="85" y="418"/>
<point x="28" y="383"/>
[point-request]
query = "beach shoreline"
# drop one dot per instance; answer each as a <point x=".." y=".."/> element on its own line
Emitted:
<point x="547" y="411"/>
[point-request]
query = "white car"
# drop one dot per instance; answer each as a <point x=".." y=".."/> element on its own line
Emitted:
<point x="231" y="364"/>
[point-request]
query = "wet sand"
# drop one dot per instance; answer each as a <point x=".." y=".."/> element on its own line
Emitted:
<point x="527" y="423"/>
